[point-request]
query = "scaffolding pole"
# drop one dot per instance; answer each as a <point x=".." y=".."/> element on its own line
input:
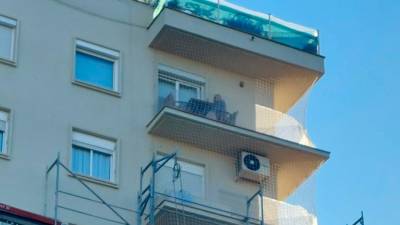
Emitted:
<point x="57" y="189"/>
<point x="360" y="220"/>
<point x="155" y="166"/>
<point x="259" y="193"/>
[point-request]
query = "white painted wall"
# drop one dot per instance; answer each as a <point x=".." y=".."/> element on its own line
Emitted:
<point x="45" y="105"/>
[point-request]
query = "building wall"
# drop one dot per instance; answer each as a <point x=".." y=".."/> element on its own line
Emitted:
<point x="45" y="105"/>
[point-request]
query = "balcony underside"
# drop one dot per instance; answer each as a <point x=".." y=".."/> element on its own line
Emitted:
<point x="296" y="162"/>
<point x="231" y="50"/>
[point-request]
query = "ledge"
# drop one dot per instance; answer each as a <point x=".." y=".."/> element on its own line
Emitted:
<point x="296" y="162"/>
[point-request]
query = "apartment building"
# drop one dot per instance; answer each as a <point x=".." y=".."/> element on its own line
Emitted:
<point x="164" y="112"/>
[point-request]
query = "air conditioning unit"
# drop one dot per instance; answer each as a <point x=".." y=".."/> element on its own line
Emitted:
<point x="253" y="167"/>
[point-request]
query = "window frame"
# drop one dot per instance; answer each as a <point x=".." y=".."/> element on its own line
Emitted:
<point x="87" y="141"/>
<point x="179" y="77"/>
<point x="101" y="52"/>
<point x="178" y="82"/>
<point x="189" y="167"/>
<point x="12" y="24"/>
<point x="5" y="117"/>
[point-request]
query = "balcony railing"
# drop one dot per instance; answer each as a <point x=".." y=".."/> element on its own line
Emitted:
<point x="174" y="210"/>
<point x="247" y="21"/>
<point x="267" y="120"/>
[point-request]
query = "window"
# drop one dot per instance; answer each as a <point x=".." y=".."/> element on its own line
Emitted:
<point x="180" y="87"/>
<point x="4" y="127"/>
<point x="93" y="156"/>
<point x="191" y="185"/>
<point x="97" y="66"/>
<point x="8" y="28"/>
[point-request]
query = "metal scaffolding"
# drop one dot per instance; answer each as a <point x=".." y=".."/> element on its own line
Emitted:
<point x="360" y="221"/>
<point x="147" y="199"/>
<point x="58" y="166"/>
<point x="157" y="208"/>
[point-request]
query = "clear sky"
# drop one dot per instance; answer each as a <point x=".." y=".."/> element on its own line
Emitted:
<point x="354" y="110"/>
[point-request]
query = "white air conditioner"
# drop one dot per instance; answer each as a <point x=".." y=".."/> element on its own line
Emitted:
<point x="253" y="167"/>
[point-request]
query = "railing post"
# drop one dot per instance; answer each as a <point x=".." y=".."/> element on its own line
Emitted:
<point x="57" y="189"/>
<point x="318" y="47"/>
<point x="269" y="26"/>
<point x="218" y="13"/>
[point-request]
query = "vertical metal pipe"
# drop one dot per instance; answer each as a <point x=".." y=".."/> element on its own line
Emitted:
<point x="362" y="218"/>
<point x="141" y="180"/>
<point x="45" y="192"/>
<point x="152" y="191"/>
<point x="247" y="211"/>
<point x="262" y="206"/>
<point x="139" y="216"/>
<point x="57" y="189"/>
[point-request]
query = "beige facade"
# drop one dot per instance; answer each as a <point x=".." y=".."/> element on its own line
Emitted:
<point x="45" y="106"/>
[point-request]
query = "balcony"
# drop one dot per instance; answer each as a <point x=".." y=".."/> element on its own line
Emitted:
<point x="277" y="135"/>
<point x="235" y="39"/>
<point x="247" y="21"/>
<point x="174" y="210"/>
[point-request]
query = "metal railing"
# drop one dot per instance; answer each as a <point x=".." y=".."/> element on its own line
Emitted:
<point x="153" y="201"/>
<point x="206" y="210"/>
<point x="268" y="121"/>
<point x="257" y="24"/>
<point x="204" y="109"/>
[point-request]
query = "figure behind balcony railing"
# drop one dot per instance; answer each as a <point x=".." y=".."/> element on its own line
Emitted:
<point x="169" y="101"/>
<point x="215" y="110"/>
<point x="219" y="107"/>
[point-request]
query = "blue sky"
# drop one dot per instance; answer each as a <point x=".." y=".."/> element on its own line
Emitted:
<point x="354" y="110"/>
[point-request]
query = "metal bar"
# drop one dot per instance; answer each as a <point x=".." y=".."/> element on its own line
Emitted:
<point x="139" y="216"/>
<point x="139" y="199"/>
<point x="165" y="160"/>
<point x="152" y="191"/>
<point x="358" y="221"/>
<point x="57" y="189"/>
<point x="252" y="197"/>
<point x="361" y="220"/>
<point x="143" y="205"/>
<point x="89" y="214"/>
<point x="262" y="206"/>
<point x="93" y="200"/>
<point x="146" y="189"/>
<point x="146" y="167"/>
<point x="247" y="212"/>
<point x="145" y="201"/>
<point x="46" y="181"/>
<point x="51" y="167"/>
<point x="93" y="192"/>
